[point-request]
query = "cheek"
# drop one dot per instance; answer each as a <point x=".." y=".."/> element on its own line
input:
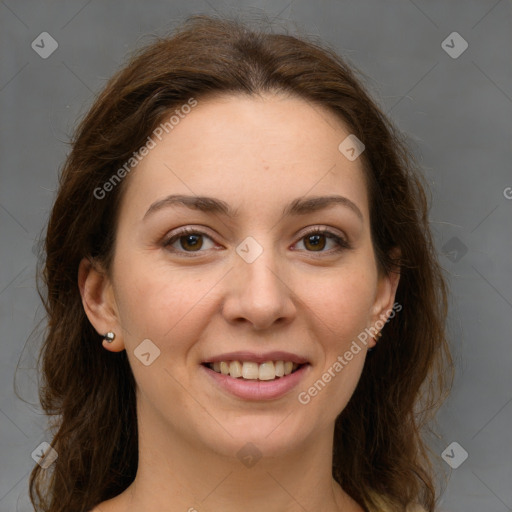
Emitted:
<point x="330" y="391"/>
<point x="342" y="302"/>
<point x="171" y="312"/>
<point x="342" y="312"/>
<point x="161" y="303"/>
<point x="170" y="298"/>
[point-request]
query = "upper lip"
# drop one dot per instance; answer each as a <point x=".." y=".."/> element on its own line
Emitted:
<point x="260" y="357"/>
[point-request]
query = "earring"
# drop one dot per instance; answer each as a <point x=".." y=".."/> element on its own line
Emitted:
<point x="109" y="337"/>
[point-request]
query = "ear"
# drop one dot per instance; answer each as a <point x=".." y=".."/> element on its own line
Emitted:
<point x="99" y="302"/>
<point x="383" y="306"/>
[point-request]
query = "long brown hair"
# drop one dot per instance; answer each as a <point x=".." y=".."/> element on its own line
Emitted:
<point x="379" y="456"/>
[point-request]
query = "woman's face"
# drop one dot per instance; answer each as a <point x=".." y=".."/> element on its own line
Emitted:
<point x="249" y="283"/>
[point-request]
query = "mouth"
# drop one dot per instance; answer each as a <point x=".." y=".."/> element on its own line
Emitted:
<point x="256" y="376"/>
<point x="252" y="370"/>
<point x="253" y="381"/>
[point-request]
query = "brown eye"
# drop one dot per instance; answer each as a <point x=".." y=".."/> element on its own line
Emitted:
<point x="192" y="242"/>
<point x="316" y="241"/>
<point x="187" y="241"/>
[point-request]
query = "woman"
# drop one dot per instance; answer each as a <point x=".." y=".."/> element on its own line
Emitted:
<point x="245" y="231"/>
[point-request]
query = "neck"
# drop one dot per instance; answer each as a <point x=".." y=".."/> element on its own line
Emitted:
<point x="180" y="474"/>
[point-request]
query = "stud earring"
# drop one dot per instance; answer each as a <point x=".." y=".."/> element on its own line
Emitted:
<point x="109" y="337"/>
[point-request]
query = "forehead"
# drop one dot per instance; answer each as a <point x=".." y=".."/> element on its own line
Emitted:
<point x="249" y="150"/>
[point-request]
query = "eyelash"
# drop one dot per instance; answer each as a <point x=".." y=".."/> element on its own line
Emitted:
<point x="341" y="243"/>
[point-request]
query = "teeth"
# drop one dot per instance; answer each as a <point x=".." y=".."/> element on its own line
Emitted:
<point x="267" y="371"/>
<point x="250" y="370"/>
<point x="235" y="369"/>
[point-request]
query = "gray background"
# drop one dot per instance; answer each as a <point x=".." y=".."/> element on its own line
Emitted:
<point x="457" y="113"/>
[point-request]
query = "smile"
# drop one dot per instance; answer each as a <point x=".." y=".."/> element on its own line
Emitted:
<point x="251" y="370"/>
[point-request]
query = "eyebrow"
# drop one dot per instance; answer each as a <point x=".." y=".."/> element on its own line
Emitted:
<point x="299" y="206"/>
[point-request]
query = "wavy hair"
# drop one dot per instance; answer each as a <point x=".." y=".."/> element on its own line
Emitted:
<point x="380" y="457"/>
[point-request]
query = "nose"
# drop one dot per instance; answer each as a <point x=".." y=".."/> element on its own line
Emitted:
<point x="257" y="293"/>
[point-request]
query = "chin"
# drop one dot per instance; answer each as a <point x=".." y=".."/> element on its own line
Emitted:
<point x="269" y="436"/>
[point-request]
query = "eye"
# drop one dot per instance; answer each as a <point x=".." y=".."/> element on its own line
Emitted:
<point x="316" y="240"/>
<point x="188" y="239"/>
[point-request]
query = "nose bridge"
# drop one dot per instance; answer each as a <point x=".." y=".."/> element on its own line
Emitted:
<point x="258" y="264"/>
<point x="259" y="293"/>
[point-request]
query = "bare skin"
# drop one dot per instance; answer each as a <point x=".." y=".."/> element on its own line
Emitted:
<point x="302" y="295"/>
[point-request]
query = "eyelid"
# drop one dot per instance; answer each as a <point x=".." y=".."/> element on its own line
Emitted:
<point x="322" y="228"/>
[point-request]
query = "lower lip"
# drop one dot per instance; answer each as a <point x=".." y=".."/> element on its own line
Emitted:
<point x="258" y="389"/>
